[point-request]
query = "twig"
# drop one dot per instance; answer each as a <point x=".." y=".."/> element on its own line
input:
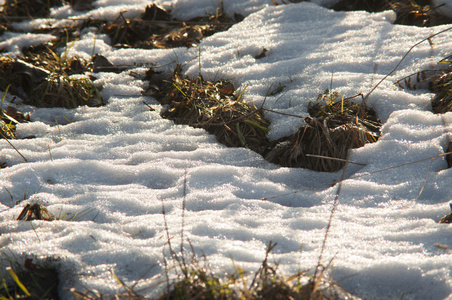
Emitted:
<point x="336" y="158"/>
<point x="404" y="56"/>
<point x="443" y="247"/>
<point x="6" y="139"/>
<point x="328" y="227"/>
<point x="182" y="223"/>
<point x="285" y="114"/>
<point x="426" y="179"/>
<point x="359" y="176"/>
<point x="173" y="254"/>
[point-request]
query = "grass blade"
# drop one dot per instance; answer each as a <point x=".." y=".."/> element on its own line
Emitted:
<point x="254" y="124"/>
<point x="17" y="281"/>
<point x="240" y="134"/>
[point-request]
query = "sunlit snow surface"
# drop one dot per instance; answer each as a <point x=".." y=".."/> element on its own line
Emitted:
<point x="114" y="166"/>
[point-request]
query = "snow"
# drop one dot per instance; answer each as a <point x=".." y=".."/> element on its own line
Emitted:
<point x="13" y="42"/>
<point x="111" y="168"/>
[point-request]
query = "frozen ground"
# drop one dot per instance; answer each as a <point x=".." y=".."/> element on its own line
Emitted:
<point x="115" y="165"/>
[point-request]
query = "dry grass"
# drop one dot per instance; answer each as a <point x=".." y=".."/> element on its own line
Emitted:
<point x="29" y="8"/>
<point x="216" y="107"/>
<point x="321" y="145"/>
<point x="334" y="127"/>
<point x="368" y="5"/>
<point x="441" y="85"/>
<point x="156" y="29"/>
<point x="442" y="102"/>
<point x="195" y="280"/>
<point x="9" y="118"/>
<point x="447" y="219"/>
<point x="45" y="80"/>
<point x="409" y="12"/>
<point x="35" y="211"/>
<point x="439" y="81"/>
<point x="276" y="3"/>
<point x="7" y="128"/>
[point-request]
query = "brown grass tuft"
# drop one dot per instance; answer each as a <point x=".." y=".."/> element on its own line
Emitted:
<point x="29" y="8"/>
<point x="441" y="85"/>
<point x="196" y="281"/>
<point x="216" y="107"/>
<point x="409" y="12"/>
<point x="332" y="129"/>
<point x="46" y="81"/>
<point x="156" y="29"/>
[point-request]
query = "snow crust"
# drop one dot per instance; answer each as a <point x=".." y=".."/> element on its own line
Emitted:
<point x="112" y="168"/>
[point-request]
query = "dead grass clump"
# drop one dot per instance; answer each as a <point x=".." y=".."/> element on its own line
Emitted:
<point x="43" y="56"/>
<point x="449" y="156"/>
<point x="367" y="5"/>
<point x="196" y="281"/>
<point x="441" y="85"/>
<point x="29" y="8"/>
<point x="409" y="12"/>
<point x="216" y="107"/>
<point x="57" y="91"/>
<point x="46" y="81"/>
<point x="269" y="283"/>
<point x="155" y="29"/>
<point x="7" y="130"/>
<point x="199" y="283"/>
<point x="4" y="27"/>
<point x="9" y="118"/>
<point x="438" y="80"/>
<point x="332" y="129"/>
<point x="322" y="144"/>
<point x="7" y="125"/>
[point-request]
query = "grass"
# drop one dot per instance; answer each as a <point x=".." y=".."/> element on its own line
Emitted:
<point x="195" y="280"/>
<point x="408" y="12"/>
<point x="35" y="211"/>
<point x="29" y="281"/>
<point x="157" y="29"/>
<point x="335" y="125"/>
<point x="29" y="8"/>
<point x="7" y="123"/>
<point x="192" y="277"/>
<point x="215" y="106"/>
<point x="198" y="282"/>
<point x="46" y="80"/>
<point x="441" y="85"/>
<point x="439" y="81"/>
<point x="447" y="219"/>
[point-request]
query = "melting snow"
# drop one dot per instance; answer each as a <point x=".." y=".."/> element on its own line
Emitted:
<point x="115" y="165"/>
